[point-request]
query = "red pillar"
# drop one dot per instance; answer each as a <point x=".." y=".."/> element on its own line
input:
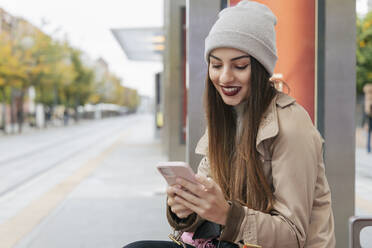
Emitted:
<point x="295" y="31"/>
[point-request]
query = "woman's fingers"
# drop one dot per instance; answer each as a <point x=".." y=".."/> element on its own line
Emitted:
<point x="204" y="198"/>
<point x="196" y="189"/>
<point x="207" y="182"/>
<point x="180" y="210"/>
<point x="189" y="196"/>
<point x="171" y="190"/>
<point x="170" y="201"/>
<point x="184" y="214"/>
<point x="187" y="204"/>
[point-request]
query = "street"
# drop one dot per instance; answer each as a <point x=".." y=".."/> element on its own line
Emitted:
<point x="89" y="185"/>
<point x="94" y="184"/>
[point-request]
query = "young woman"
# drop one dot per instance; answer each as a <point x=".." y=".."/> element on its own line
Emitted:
<point x="262" y="179"/>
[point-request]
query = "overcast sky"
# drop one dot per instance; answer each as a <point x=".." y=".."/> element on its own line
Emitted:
<point x="361" y="7"/>
<point x="87" y="25"/>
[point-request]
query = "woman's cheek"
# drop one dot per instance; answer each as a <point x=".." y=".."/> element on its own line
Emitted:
<point x="214" y="82"/>
<point x="216" y="86"/>
<point x="213" y="76"/>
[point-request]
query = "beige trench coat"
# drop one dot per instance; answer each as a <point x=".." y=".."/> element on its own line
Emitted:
<point x="292" y="151"/>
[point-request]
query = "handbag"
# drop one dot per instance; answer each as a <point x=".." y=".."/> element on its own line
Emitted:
<point x="206" y="236"/>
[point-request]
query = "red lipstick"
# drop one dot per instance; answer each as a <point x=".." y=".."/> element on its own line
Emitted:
<point x="230" y="91"/>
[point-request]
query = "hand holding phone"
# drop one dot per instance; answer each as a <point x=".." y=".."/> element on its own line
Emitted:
<point x="172" y="170"/>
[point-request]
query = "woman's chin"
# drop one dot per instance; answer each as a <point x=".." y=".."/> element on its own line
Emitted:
<point x="231" y="102"/>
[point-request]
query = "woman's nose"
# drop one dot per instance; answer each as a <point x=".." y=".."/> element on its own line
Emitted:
<point x="226" y="76"/>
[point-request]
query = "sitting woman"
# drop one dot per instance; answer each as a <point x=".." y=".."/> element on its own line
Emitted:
<point x="261" y="182"/>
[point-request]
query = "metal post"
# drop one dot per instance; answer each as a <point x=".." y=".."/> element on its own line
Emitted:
<point x="336" y="105"/>
<point x="172" y="90"/>
<point x="200" y="17"/>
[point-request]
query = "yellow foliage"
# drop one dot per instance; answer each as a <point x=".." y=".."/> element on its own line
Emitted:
<point x="362" y="43"/>
<point x="94" y="98"/>
<point x="17" y="83"/>
<point x="366" y="25"/>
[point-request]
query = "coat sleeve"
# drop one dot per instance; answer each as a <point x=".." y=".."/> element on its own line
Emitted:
<point x="296" y="154"/>
<point x="190" y="223"/>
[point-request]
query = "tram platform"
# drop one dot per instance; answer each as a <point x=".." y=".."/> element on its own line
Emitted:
<point x="120" y="199"/>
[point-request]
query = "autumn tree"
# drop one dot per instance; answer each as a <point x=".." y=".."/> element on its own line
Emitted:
<point x="364" y="51"/>
<point x="57" y="72"/>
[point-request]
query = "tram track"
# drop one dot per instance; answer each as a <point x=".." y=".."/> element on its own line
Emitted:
<point x="45" y="147"/>
<point x="56" y="145"/>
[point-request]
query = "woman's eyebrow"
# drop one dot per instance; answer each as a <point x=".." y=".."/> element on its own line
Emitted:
<point x="240" y="57"/>
<point x="236" y="58"/>
<point x="215" y="57"/>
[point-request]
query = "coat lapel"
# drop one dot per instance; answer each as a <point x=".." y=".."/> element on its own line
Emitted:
<point x="269" y="126"/>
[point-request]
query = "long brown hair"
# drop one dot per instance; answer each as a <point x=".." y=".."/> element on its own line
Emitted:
<point x="235" y="163"/>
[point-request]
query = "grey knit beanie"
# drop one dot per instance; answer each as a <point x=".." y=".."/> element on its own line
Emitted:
<point x="249" y="27"/>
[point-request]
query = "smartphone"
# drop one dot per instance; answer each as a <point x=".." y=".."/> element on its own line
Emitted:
<point x="174" y="169"/>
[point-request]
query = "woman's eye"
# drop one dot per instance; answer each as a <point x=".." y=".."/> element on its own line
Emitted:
<point x="216" y="66"/>
<point x="241" y="67"/>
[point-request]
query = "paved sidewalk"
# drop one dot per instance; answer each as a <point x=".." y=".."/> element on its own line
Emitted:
<point x="363" y="183"/>
<point x="361" y="137"/>
<point x="122" y="201"/>
<point x="363" y="158"/>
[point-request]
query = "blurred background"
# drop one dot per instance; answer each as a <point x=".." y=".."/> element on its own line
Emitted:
<point x="94" y="94"/>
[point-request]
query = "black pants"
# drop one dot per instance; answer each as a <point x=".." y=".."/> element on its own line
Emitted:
<point x="154" y="244"/>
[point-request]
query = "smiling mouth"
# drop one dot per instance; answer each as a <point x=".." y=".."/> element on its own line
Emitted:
<point x="230" y="91"/>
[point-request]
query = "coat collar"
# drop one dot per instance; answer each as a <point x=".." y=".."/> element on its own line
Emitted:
<point x="269" y="126"/>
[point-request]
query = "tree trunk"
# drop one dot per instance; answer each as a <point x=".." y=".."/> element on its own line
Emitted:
<point x="12" y="110"/>
<point x="20" y="112"/>
<point x="76" y="109"/>
<point x="3" y="112"/>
